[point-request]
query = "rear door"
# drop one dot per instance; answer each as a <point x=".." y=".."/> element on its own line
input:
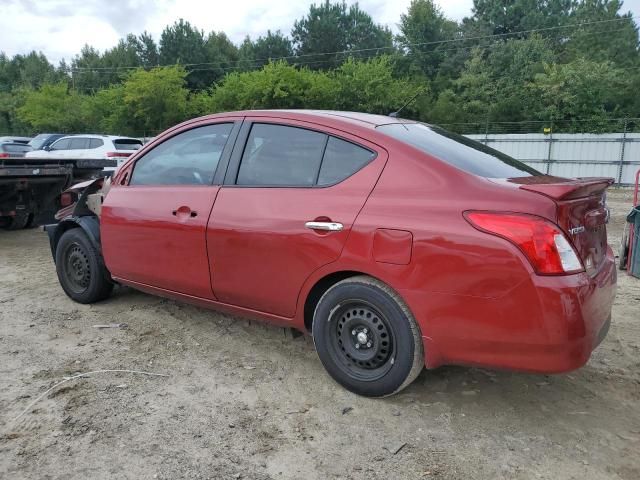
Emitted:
<point x="291" y="195"/>
<point x="153" y="226"/>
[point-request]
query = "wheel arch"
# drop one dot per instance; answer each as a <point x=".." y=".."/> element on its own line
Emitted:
<point x="321" y="285"/>
<point x="89" y="224"/>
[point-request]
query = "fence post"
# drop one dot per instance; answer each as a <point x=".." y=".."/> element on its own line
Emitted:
<point x="486" y="130"/>
<point x="549" y="150"/>
<point x="622" y="147"/>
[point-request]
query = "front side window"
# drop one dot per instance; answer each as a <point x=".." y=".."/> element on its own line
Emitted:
<point x="281" y="155"/>
<point x="189" y="158"/>
<point x="62" y="144"/>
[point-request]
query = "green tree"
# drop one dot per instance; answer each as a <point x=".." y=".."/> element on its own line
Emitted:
<point x="332" y="27"/>
<point x="155" y="99"/>
<point x="424" y="36"/>
<point x="277" y="85"/>
<point x="272" y="46"/>
<point x="492" y="85"/>
<point x="54" y="107"/>
<point x="614" y="41"/>
<point x="369" y="86"/>
<point x="580" y="91"/>
<point x="183" y="44"/>
<point x="222" y="56"/>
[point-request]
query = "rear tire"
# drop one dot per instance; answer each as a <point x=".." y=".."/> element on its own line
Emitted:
<point x="18" y="222"/>
<point x="366" y="337"/>
<point x="80" y="268"/>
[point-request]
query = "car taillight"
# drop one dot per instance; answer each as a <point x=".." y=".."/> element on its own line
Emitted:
<point x="117" y="154"/>
<point x="542" y="242"/>
<point x="66" y="199"/>
<point x="4" y="155"/>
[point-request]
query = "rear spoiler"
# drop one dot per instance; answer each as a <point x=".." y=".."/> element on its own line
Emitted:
<point x="567" y="190"/>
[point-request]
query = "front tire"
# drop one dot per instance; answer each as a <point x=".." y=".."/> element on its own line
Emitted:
<point x="80" y="268"/>
<point x="366" y="337"/>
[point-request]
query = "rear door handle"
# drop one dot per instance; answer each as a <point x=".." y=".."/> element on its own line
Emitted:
<point x="184" y="211"/>
<point x="329" y="226"/>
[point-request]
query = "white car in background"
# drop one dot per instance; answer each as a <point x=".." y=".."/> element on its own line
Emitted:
<point x="111" y="147"/>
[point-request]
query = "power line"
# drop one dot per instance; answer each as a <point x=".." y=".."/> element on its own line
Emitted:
<point x="361" y="50"/>
<point x="223" y="66"/>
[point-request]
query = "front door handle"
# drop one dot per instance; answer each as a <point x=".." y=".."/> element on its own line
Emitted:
<point x="329" y="226"/>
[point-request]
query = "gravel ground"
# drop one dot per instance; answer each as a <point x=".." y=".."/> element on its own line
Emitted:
<point x="241" y="400"/>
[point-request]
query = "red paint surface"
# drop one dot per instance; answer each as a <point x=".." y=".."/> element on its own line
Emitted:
<point x="475" y="296"/>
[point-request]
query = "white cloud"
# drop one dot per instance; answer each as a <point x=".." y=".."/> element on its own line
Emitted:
<point x="59" y="28"/>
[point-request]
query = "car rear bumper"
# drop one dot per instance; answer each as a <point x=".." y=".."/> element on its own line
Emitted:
<point x="548" y="324"/>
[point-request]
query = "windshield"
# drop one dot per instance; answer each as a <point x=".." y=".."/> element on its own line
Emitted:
<point x="461" y="152"/>
<point x="37" y="141"/>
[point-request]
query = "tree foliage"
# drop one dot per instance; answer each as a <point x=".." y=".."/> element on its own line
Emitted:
<point x="334" y="27"/>
<point x="570" y="62"/>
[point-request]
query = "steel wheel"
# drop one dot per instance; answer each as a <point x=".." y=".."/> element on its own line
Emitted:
<point x="366" y="337"/>
<point x="80" y="268"/>
<point x="77" y="268"/>
<point x="362" y="340"/>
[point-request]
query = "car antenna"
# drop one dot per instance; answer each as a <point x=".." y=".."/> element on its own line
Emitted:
<point x="397" y="112"/>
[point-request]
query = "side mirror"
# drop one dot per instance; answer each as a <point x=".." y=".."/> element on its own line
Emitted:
<point x="46" y="148"/>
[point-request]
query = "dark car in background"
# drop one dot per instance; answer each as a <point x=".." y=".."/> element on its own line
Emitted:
<point x="43" y="140"/>
<point x="13" y="149"/>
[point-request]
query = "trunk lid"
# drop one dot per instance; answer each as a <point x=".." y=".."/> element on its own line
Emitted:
<point x="581" y="212"/>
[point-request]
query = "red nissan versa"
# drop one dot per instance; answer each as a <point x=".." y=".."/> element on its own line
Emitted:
<point x="397" y="244"/>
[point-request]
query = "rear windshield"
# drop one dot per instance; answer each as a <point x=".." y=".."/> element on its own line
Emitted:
<point x="127" y="144"/>
<point x="461" y="152"/>
<point x="16" y="148"/>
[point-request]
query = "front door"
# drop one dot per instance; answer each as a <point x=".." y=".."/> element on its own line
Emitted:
<point x="153" y="228"/>
<point x="290" y="198"/>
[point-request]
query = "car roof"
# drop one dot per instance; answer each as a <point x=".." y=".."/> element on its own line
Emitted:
<point x="96" y="135"/>
<point x="319" y="116"/>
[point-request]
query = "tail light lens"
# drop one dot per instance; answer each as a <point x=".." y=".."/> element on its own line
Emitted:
<point x="4" y="155"/>
<point x="542" y="242"/>
<point x="117" y="154"/>
<point x="67" y="199"/>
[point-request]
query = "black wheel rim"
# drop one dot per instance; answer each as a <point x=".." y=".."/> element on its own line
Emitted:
<point x="361" y="339"/>
<point x="76" y="268"/>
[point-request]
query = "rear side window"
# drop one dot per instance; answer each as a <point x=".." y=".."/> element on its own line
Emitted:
<point x="95" y="143"/>
<point x="461" y="152"/>
<point x="341" y="160"/>
<point x="127" y="144"/>
<point x="189" y="158"/>
<point x="281" y="155"/>
<point x="79" y="143"/>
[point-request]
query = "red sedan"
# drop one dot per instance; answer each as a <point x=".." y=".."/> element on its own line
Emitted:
<point x="397" y="244"/>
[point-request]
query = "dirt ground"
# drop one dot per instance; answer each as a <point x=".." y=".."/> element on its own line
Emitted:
<point x="241" y="400"/>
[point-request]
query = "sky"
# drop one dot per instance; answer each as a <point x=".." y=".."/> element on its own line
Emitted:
<point x="59" y="28"/>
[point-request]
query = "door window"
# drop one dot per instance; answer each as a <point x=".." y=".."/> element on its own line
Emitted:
<point x="79" y="143"/>
<point x="62" y="144"/>
<point x="281" y="155"/>
<point x="95" y="143"/>
<point x="341" y="160"/>
<point x="189" y="158"/>
<point x="278" y="155"/>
